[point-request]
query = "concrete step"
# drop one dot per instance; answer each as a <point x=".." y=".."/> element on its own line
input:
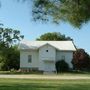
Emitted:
<point x="47" y="72"/>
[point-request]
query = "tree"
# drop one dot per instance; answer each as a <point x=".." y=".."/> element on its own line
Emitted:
<point x="54" y="36"/>
<point x="76" y="12"/>
<point x="9" y="58"/>
<point x="8" y="36"/>
<point x="9" y="53"/>
<point x="81" y="60"/>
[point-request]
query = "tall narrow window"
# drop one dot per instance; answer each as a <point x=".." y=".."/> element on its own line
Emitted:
<point x="29" y="58"/>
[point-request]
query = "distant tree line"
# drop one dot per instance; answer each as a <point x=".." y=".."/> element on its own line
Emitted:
<point x="55" y="36"/>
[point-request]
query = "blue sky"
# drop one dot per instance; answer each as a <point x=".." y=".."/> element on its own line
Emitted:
<point x="18" y="16"/>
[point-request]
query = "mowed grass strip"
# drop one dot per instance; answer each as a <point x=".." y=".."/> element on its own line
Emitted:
<point x="28" y="84"/>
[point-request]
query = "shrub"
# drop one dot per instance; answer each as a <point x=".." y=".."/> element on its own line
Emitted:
<point x="62" y="66"/>
<point x="81" y="60"/>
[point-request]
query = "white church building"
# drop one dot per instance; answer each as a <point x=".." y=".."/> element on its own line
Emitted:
<point x="42" y="55"/>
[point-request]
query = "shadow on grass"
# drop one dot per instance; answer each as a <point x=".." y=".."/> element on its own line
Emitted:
<point x="26" y="87"/>
<point x="27" y="84"/>
<point x="35" y="86"/>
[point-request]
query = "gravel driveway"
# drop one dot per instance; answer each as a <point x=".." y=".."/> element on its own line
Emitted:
<point x="46" y="76"/>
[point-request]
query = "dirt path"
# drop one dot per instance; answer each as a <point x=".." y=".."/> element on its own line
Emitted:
<point x="46" y="76"/>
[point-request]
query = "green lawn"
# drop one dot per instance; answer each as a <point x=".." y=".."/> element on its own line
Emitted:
<point x="27" y="84"/>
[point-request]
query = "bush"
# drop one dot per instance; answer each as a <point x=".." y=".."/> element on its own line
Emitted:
<point x="62" y="66"/>
<point x="81" y="60"/>
<point x="9" y="58"/>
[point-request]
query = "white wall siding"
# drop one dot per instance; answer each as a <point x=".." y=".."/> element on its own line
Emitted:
<point x="68" y="56"/>
<point x="43" y="60"/>
<point x="49" y="56"/>
<point x="24" y="59"/>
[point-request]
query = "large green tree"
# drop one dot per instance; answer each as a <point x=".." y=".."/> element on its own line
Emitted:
<point x="9" y="53"/>
<point x="54" y="36"/>
<point x="76" y="12"/>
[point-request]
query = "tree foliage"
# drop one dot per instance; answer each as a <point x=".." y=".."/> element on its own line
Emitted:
<point x="54" y="36"/>
<point x="9" y="53"/>
<point x="9" y="58"/>
<point x="81" y="60"/>
<point x="76" y="12"/>
<point x="62" y="66"/>
<point x="8" y="36"/>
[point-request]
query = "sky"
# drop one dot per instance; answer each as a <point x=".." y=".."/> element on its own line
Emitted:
<point x="18" y="16"/>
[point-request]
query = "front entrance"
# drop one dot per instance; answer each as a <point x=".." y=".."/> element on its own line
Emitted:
<point x="49" y="66"/>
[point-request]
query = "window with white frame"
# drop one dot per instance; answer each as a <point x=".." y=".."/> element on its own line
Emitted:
<point x="29" y="58"/>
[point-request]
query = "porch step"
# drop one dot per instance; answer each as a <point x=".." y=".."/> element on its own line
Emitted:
<point x="47" y="72"/>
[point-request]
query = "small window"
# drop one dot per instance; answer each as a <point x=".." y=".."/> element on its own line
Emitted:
<point x="29" y="58"/>
<point x="46" y="50"/>
<point x="63" y="57"/>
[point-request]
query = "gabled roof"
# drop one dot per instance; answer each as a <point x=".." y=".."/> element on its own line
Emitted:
<point x="60" y="45"/>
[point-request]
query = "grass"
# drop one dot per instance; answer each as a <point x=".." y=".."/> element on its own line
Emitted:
<point x="28" y="84"/>
<point x="16" y="72"/>
<point x="40" y="73"/>
<point x="33" y="84"/>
